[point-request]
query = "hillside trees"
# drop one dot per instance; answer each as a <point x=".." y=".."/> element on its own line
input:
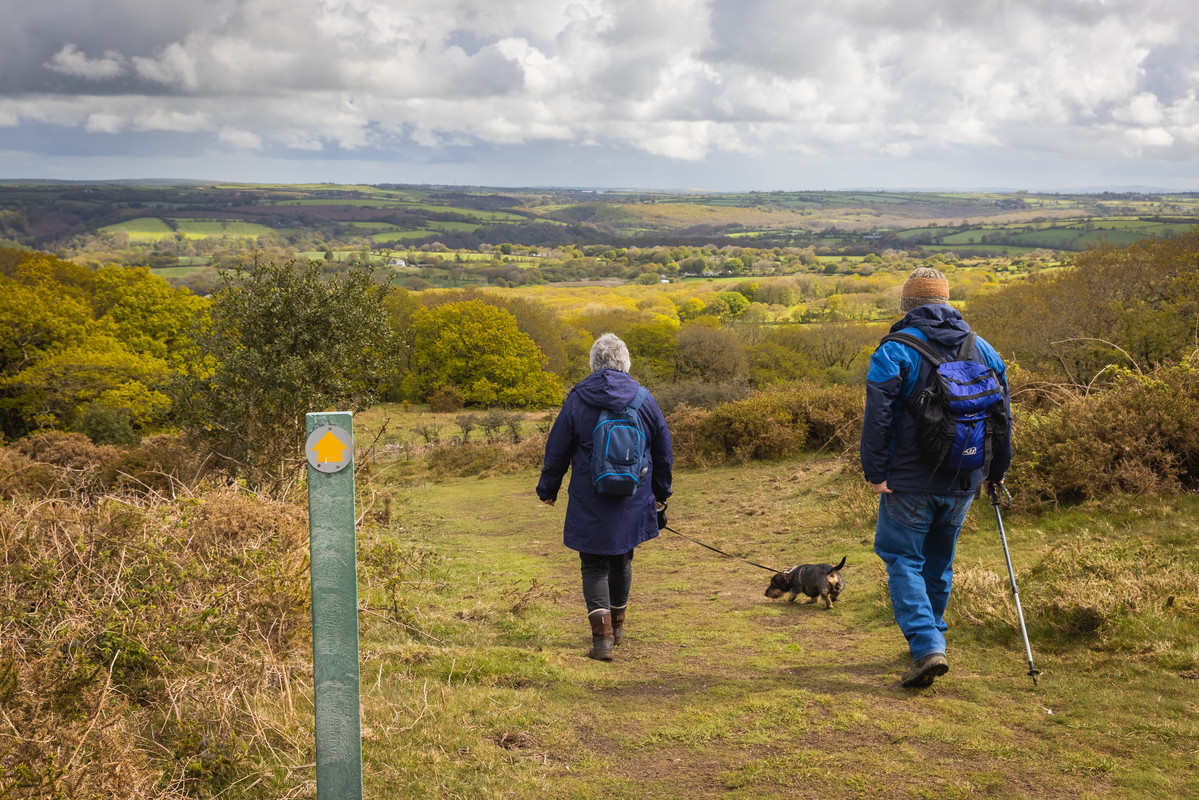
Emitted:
<point x="478" y="349"/>
<point x="282" y="341"/>
<point x="1136" y="305"/>
<point x="84" y="350"/>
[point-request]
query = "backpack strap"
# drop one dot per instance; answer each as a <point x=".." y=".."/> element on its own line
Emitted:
<point x="966" y="350"/>
<point x="916" y="343"/>
<point x="642" y="393"/>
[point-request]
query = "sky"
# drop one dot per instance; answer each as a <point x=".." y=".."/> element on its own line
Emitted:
<point x="708" y="95"/>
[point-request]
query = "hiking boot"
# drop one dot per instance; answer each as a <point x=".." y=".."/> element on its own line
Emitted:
<point x="925" y="670"/>
<point x="618" y="625"/>
<point x="602" y="640"/>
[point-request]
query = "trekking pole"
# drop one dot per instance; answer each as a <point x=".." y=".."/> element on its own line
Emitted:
<point x="994" y="493"/>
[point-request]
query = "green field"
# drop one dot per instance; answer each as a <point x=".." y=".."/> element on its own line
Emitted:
<point x="399" y="236"/>
<point x="142" y="229"/>
<point x="153" y="229"/>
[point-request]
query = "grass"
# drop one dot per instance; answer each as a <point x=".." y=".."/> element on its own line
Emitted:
<point x="475" y="684"/>
<point x="142" y="229"/>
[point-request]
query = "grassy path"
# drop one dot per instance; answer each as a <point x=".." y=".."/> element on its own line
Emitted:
<point x="475" y="684"/>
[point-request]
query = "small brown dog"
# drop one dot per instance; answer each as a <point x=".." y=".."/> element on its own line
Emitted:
<point x="817" y="581"/>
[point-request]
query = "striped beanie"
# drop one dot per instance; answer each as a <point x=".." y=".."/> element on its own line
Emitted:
<point x="925" y="285"/>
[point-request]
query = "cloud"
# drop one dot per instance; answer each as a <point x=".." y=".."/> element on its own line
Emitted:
<point x="690" y="81"/>
<point x="241" y="140"/>
<point x="70" y="61"/>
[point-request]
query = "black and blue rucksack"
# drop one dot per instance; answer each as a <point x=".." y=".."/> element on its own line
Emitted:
<point x="961" y="412"/>
<point x="618" y="448"/>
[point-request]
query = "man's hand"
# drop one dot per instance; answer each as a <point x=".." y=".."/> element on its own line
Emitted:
<point x="881" y="488"/>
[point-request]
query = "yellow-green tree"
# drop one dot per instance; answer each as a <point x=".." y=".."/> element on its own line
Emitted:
<point x="478" y="349"/>
<point x="88" y="350"/>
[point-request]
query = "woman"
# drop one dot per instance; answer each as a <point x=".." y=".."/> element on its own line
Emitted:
<point x="605" y="528"/>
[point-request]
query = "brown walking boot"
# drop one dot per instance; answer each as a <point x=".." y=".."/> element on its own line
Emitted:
<point x="925" y="670"/>
<point x="618" y="624"/>
<point x="602" y="640"/>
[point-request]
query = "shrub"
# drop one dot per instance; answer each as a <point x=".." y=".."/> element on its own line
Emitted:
<point x="159" y="464"/>
<point x="769" y="424"/>
<point x="446" y="399"/>
<point x="108" y="425"/>
<point x="758" y="427"/>
<point x="66" y="465"/>
<point x="1139" y="436"/>
<point x="464" y="460"/>
<point x="689" y="439"/>
<point x="698" y="394"/>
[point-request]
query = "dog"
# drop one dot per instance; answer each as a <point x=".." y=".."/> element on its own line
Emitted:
<point x="817" y="581"/>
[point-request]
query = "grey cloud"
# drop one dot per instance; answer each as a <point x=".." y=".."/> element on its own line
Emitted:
<point x="33" y="33"/>
<point x="684" y="79"/>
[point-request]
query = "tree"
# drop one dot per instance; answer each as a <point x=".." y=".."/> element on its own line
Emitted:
<point x="1118" y="305"/>
<point x="281" y="342"/>
<point x="479" y="349"/>
<point x="709" y="354"/>
<point x="72" y="340"/>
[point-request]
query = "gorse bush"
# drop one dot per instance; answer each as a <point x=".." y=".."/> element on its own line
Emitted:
<point x="446" y="398"/>
<point x="763" y="426"/>
<point x="1140" y="435"/>
<point x="774" y="423"/>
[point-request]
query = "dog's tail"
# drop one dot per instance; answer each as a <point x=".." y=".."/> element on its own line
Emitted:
<point x="839" y="566"/>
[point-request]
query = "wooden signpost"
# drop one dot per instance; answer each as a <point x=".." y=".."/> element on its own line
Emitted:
<point x="333" y="549"/>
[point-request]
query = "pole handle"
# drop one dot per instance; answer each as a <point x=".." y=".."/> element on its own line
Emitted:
<point x="993" y="492"/>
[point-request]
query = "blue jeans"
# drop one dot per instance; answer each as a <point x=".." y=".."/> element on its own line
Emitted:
<point x="915" y="537"/>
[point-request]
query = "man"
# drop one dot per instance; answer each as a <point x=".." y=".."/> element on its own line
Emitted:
<point x="605" y="528"/>
<point x="921" y="504"/>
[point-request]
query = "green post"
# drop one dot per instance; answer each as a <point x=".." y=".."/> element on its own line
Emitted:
<point x="333" y="558"/>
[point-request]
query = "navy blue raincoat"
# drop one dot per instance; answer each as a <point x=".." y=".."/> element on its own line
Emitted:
<point x="889" y="449"/>
<point x="597" y="523"/>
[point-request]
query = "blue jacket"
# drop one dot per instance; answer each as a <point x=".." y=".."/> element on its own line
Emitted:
<point x="597" y="523"/>
<point x="889" y="450"/>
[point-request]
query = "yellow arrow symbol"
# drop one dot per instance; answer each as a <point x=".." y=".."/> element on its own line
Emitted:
<point x="329" y="449"/>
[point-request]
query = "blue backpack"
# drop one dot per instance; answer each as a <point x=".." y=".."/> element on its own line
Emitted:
<point x="617" y="449"/>
<point x="961" y="411"/>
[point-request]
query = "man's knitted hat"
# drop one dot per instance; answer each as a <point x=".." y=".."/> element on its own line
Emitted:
<point x="925" y="285"/>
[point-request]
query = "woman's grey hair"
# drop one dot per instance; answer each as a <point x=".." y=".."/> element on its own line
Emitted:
<point x="609" y="352"/>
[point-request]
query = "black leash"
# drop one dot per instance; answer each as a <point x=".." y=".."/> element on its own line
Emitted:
<point x="662" y="526"/>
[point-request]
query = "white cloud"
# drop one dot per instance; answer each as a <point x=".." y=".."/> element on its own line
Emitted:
<point x="239" y="139"/>
<point x="175" y="67"/>
<point x="105" y="123"/>
<point x="166" y="119"/>
<point x="70" y="61"/>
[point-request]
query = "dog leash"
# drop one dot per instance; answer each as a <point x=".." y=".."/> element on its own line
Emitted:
<point x="714" y="550"/>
